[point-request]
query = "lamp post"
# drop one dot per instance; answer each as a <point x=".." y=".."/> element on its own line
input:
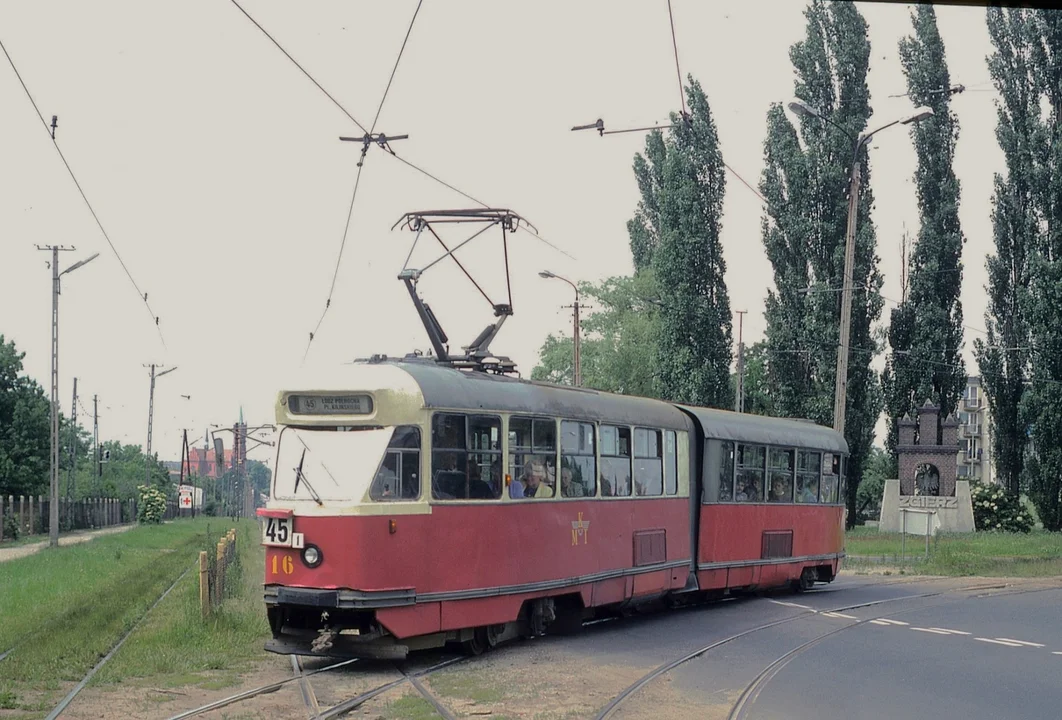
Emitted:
<point x="799" y="107"/>
<point x="577" y="372"/>
<point x="53" y="502"/>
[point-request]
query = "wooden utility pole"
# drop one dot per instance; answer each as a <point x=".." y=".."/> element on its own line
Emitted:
<point x="739" y="396"/>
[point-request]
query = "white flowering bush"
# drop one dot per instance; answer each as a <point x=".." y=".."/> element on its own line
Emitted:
<point x="995" y="510"/>
<point x="152" y="506"/>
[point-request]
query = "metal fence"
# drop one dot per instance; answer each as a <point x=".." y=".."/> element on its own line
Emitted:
<point x="30" y="514"/>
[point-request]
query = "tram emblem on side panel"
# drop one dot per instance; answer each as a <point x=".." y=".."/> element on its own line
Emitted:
<point x="580" y="528"/>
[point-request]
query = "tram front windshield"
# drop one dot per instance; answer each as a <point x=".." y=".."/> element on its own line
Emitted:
<point x="328" y="463"/>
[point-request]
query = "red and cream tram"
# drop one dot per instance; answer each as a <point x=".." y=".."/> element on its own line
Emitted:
<point x="414" y="504"/>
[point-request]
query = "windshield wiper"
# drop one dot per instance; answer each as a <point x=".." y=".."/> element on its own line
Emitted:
<point x="299" y="475"/>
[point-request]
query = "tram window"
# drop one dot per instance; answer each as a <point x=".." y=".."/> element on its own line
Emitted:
<point x="807" y="479"/>
<point x="780" y="476"/>
<point x="670" y="463"/>
<point x="615" y="461"/>
<point x="466" y="457"/>
<point x="751" y="462"/>
<point x="718" y="483"/>
<point x="532" y="457"/>
<point x="648" y="463"/>
<point x="399" y="475"/>
<point x="831" y="466"/>
<point x="842" y="486"/>
<point x="578" y="471"/>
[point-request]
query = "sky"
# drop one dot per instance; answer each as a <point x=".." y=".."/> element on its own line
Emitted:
<point x="215" y="167"/>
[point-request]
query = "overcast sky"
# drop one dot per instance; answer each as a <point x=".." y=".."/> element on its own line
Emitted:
<point x="216" y="169"/>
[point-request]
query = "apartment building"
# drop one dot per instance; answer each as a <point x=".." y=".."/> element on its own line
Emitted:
<point x="974" y="460"/>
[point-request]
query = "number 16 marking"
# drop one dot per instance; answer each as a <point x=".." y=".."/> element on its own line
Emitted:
<point x="287" y="565"/>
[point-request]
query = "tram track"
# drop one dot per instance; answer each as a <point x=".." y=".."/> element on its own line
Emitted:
<point x="631" y="690"/>
<point x="309" y="697"/>
<point x="753" y="690"/>
<point x="58" y="709"/>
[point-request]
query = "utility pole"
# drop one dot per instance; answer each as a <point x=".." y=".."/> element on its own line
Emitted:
<point x="72" y="477"/>
<point x="98" y="470"/>
<point x="739" y="396"/>
<point x="840" y="393"/>
<point x="53" y="504"/>
<point x="577" y="372"/>
<point x="151" y="415"/>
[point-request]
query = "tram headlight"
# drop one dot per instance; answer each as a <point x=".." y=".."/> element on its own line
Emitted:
<point x="311" y="555"/>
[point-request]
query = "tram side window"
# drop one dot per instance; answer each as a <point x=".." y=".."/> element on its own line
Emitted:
<point x="532" y="457"/>
<point x="718" y="483"/>
<point x="648" y="463"/>
<point x="578" y="471"/>
<point x="831" y="466"/>
<point x="615" y="461"/>
<point x="780" y="477"/>
<point x="809" y="465"/>
<point x="842" y="486"/>
<point x="399" y="475"/>
<point x="670" y="463"/>
<point x="751" y="462"/>
<point x="466" y="457"/>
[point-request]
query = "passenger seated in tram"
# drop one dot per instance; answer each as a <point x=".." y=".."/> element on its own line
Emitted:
<point x="568" y="488"/>
<point x="806" y="491"/>
<point x="724" y="489"/>
<point x="780" y="490"/>
<point x="534" y="479"/>
<point x="477" y="488"/>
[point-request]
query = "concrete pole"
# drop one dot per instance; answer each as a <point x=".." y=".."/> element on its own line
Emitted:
<point x="578" y="370"/>
<point x="739" y="396"/>
<point x="53" y="506"/>
<point x="151" y="415"/>
<point x="840" y="394"/>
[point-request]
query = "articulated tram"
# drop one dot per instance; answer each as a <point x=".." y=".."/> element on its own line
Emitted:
<point x="416" y="504"/>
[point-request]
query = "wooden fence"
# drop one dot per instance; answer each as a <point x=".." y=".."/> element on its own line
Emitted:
<point x="214" y="571"/>
<point x="31" y="513"/>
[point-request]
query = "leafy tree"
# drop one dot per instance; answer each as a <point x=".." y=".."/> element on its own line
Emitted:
<point x="878" y="468"/>
<point x="759" y="397"/>
<point x="1003" y="356"/>
<point x="805" y="183"/>
<point x="25" y="428"/>
<point x="260" y="476"/>
<point x="1042" y="303"/>
<point x="925" y="332"/>
<point x="618" y="344"/>
<point x="676" y="231"/>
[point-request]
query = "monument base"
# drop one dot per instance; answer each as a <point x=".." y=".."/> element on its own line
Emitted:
<point x="953" y="514"/>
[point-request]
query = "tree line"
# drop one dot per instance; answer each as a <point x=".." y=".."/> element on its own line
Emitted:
<point x="665" y="331"/>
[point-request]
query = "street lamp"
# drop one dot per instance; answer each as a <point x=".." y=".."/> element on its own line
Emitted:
<point x="577" y="372"/>
<point x="799" y="107"/>
<point x="53" y="502"/>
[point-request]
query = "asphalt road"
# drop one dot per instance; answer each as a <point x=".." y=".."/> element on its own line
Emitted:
<point x="951" y="648"/>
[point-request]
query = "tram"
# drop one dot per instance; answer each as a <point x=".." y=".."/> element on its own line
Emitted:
<point x="416" y="504"/>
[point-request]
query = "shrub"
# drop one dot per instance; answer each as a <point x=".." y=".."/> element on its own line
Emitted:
<point x="11" y="529"/>
<point x="152" y="505"/>
<point x="995" y="510"/>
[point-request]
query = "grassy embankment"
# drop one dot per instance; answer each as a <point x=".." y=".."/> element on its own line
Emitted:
<point x="61" y="610"/>
<point x="1037" y="554"/>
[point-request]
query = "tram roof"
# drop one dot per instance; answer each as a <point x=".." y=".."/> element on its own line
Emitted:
<point x="444" y="387"/>
<point x="749" y="428"/>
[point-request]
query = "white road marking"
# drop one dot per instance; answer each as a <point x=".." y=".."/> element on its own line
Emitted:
<point x="894" y="622"/>
<point x="796" y="605"/>
<point x="952" y="632"/>
<point x="1021" y="642"/>
<point x="840" y="615"/>
<point x="1056" y="653"/>
<point x="879" y="622"/>
<point x="999" y="642"/>
<point x="930" y="630"/>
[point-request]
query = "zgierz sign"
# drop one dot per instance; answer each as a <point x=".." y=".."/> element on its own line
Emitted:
<point x="929" y="502"/>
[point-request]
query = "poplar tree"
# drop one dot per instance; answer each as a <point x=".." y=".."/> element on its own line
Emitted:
<point x="806" y="183"/>
<point x="676" y="232"/>
<point x="925" y="332"/>
<point x="1003" y="356"/>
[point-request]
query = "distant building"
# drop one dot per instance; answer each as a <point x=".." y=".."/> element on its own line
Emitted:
<point x="975" y="438"/>
<point x="201" y="462"/>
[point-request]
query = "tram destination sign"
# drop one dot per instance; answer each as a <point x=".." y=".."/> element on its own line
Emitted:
<point x="330" y="404"/>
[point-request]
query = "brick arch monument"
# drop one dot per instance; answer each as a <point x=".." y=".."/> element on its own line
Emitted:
<point x="928" y="488"/>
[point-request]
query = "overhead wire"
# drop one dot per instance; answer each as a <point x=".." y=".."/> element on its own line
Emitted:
<point x="300" y="67"/>
<point x="678" y="72"/>
<point x="401" y="50"/>
<point x="84" y="197"/>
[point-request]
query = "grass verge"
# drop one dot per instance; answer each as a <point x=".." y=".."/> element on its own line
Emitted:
<point x="1036" y="554"/>
<point x="175" y="646"/>
<point x="63" y="609"/>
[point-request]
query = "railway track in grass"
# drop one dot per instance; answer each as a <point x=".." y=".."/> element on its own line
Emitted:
<point x="58" y="709"/>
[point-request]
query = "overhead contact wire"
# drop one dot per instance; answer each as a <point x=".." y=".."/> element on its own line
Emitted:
<point x="142" y="295"/>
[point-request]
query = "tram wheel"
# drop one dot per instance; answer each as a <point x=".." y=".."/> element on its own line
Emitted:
<point x="806" y="581"/>
<point x="479" y="643"/>
<point x="492" y="634"/>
